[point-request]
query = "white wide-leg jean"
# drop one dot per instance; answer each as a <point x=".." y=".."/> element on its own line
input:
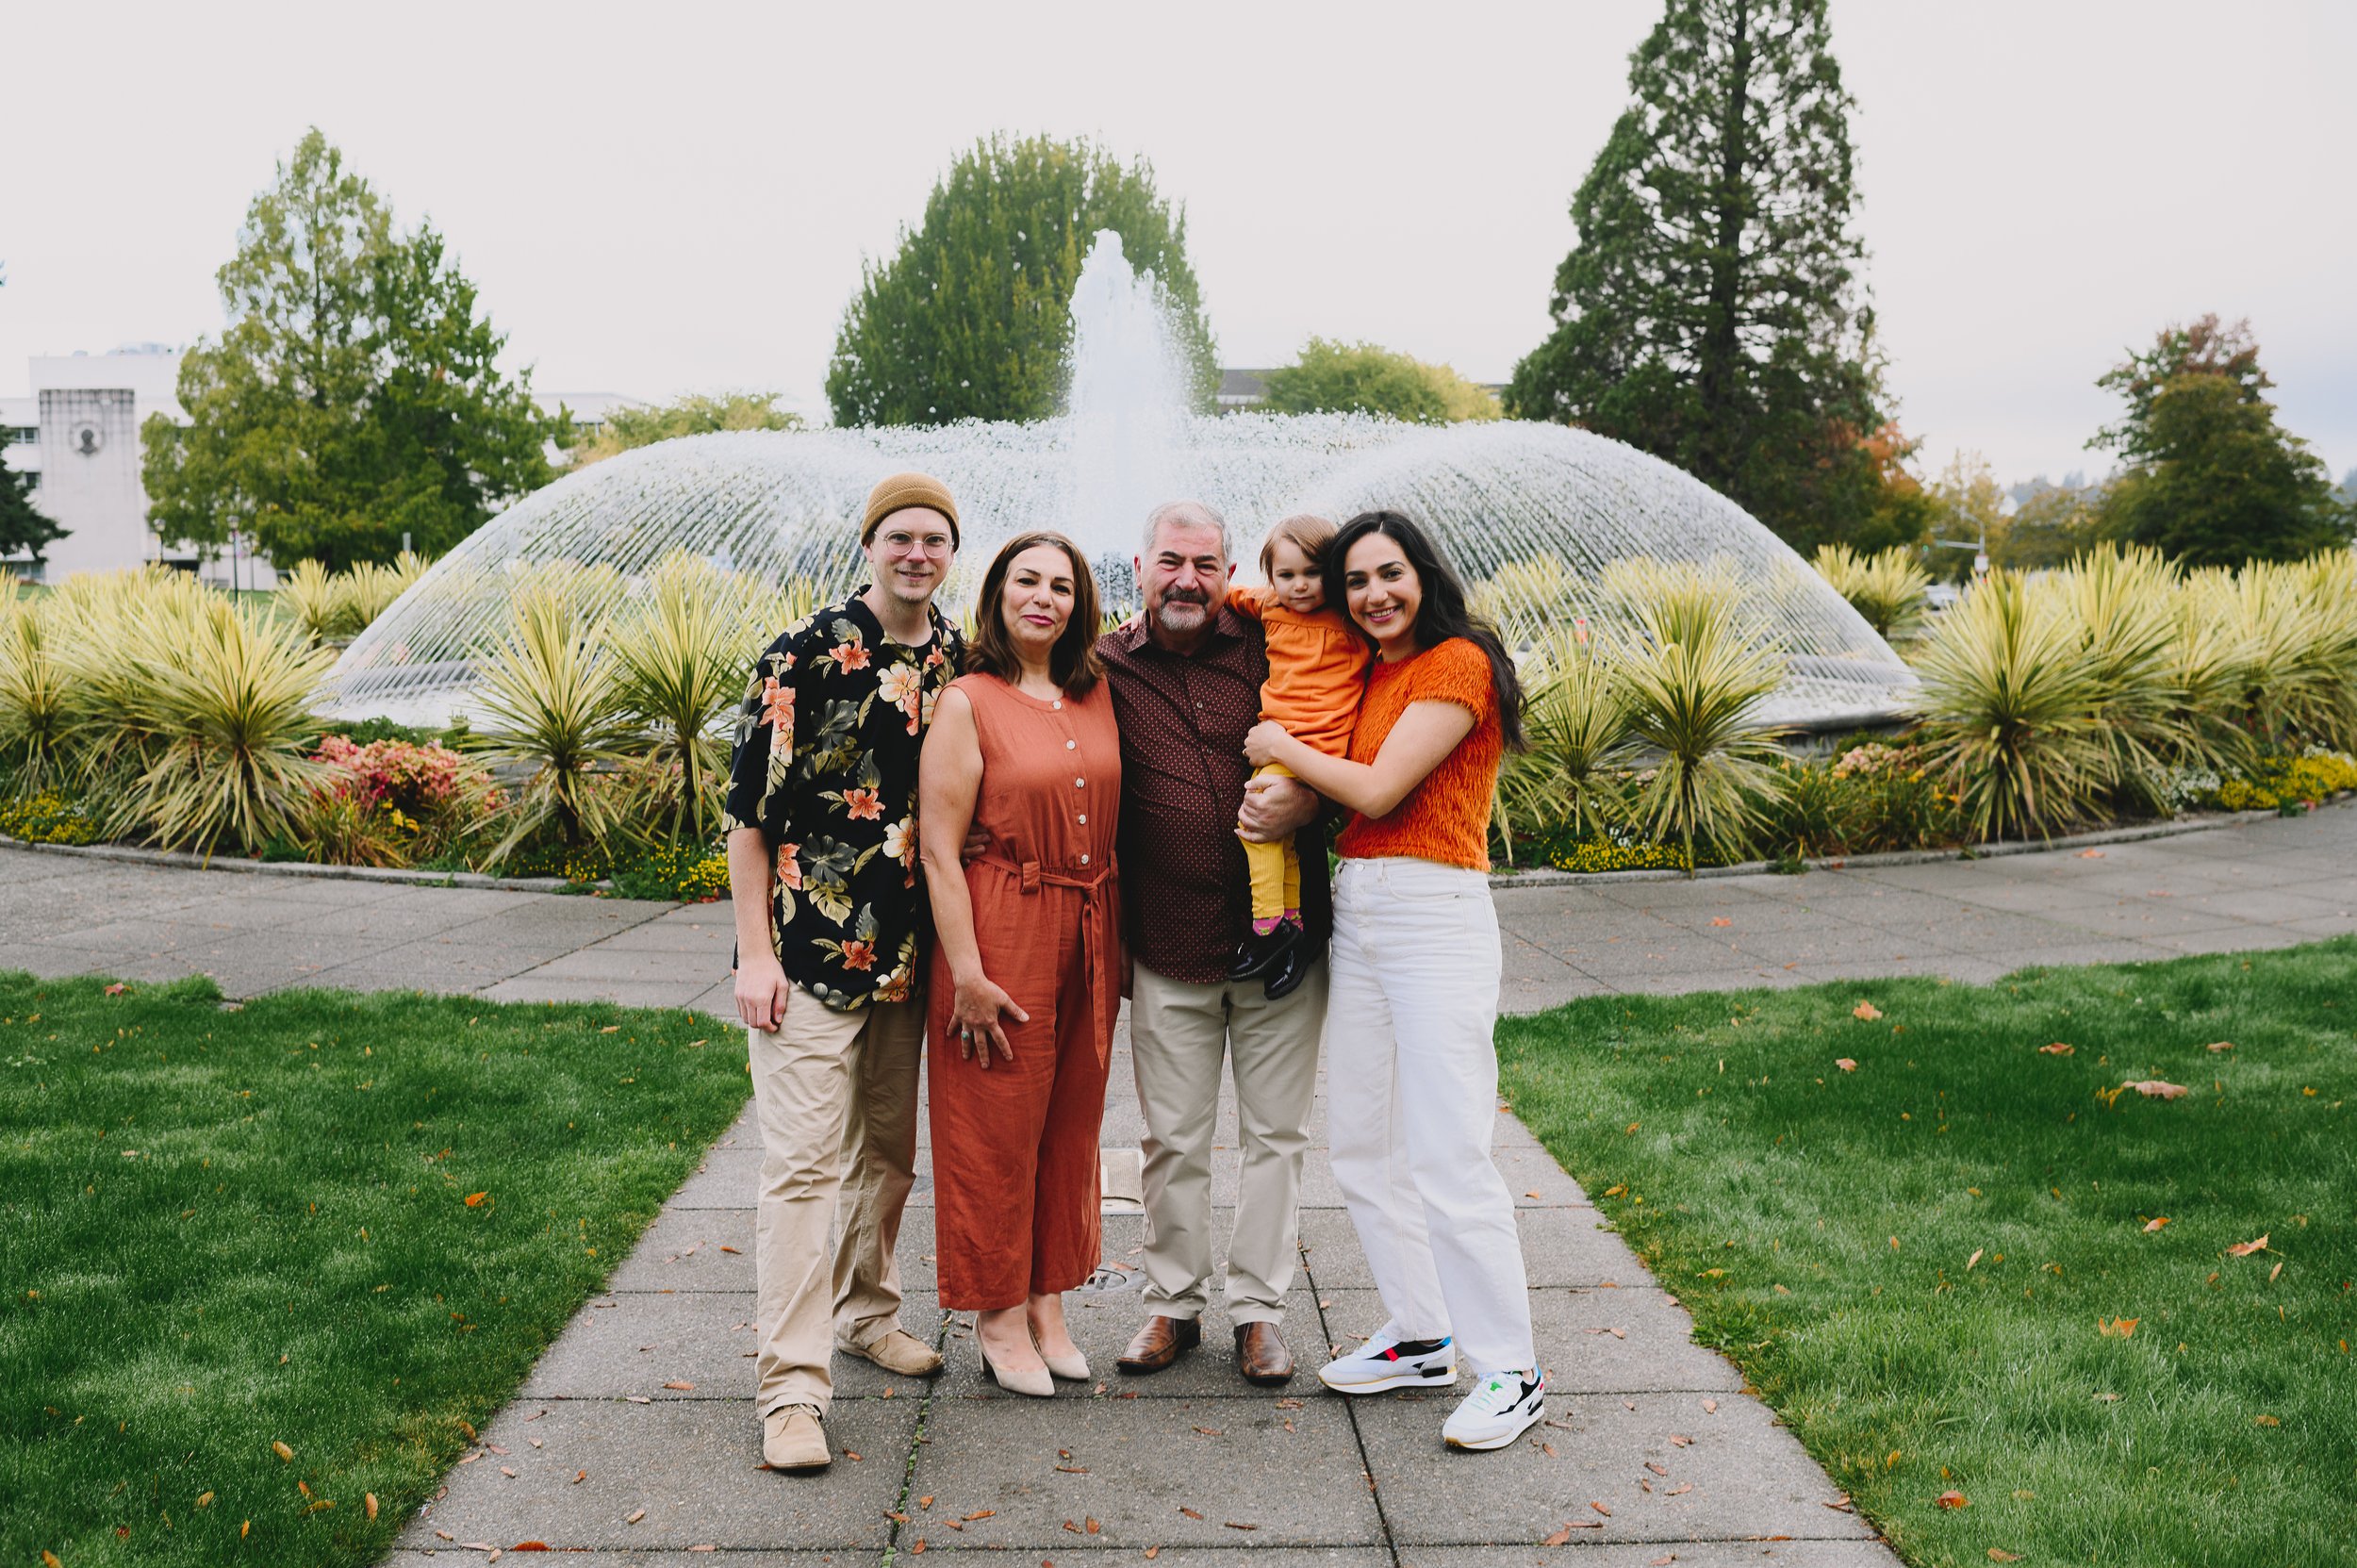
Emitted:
<point x="1412" y="1100"/>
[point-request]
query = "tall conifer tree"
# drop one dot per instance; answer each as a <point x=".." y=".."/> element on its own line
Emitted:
<point x="1711" y="312"/>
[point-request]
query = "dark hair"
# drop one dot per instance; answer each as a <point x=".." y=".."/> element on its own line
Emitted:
<point x="1072" y="663"/>
<point x="1443" y="613"/>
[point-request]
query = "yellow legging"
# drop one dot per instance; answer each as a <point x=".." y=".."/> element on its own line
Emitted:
<point x="1275" y="867"/>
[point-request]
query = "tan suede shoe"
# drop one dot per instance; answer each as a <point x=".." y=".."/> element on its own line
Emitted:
<point x="792" y="1439"/>
<point x="900" y="1351"/>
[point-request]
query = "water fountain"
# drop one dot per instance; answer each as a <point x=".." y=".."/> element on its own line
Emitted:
<point x="1536" y="512"/>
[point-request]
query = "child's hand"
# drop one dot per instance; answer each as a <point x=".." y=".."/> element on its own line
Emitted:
<point x="1259" y="747"/>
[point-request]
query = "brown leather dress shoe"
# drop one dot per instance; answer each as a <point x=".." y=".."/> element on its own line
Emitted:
<point x="1260" y="1354"/>
<point x="1157" y="1344"/>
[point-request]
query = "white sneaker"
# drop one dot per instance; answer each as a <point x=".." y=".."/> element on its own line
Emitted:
<point x="1501" y="1408"/>
<point x="1388" y="1361"/>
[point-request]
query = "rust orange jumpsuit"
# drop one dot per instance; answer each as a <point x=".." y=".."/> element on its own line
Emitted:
<point x="1015" y="1147"/>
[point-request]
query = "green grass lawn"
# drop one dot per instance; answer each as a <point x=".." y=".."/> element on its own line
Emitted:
<point x="1915" y="1260"/>
<point x="347" y="1224"/>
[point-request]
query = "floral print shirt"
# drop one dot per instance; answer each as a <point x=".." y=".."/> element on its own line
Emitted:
<point x="825" y="766"/>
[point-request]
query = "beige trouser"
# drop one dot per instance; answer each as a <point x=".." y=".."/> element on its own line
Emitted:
<point x="836" y="1095"/>
<point x="1180" y="1035"/>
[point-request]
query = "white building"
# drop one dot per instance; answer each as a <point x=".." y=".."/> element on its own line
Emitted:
<point x="78" y="434"/>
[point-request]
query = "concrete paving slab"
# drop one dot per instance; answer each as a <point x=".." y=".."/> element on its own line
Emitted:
<point x="1705" y="980"/>
<point x="1148" y="1471"/>
<point x="1560" y="1246"/>
<point x="645" y="1341"/>
<point x="1738" y="1475"/>
<point x="1101" y="1327"/>
<point x="711" y="1249"/>
<point x="691" y="1464"/>
<point x="664" y="965"/>
<point x="449" y="1555"/>
<point x="2228" y="939"/>
<point x="1633" y="1340"/>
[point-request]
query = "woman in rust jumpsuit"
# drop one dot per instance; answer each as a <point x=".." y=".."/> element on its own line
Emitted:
<point x="1026" y="962"/>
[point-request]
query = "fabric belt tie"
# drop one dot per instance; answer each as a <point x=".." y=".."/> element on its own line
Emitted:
<point x="1096" y="912"/>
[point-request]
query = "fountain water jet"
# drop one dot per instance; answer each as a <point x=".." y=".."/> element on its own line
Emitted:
<point x="1535" y="515"/>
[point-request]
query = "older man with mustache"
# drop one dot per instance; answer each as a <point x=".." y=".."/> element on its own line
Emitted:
<point x="1186" y="686"/>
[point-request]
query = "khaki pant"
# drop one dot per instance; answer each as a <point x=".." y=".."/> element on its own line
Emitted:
<point x="1179" y="1037"/>
<point x="836" y="1095"/>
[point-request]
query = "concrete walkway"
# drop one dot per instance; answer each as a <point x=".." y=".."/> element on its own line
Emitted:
<point x="1653" y="1453"/>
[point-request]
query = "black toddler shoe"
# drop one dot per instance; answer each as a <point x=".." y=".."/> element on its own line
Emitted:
<point x="1257" y="955"/>
<point x="1291" y="971"/>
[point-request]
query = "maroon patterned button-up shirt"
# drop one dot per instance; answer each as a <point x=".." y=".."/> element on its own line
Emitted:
<point x="1185" y="898"/>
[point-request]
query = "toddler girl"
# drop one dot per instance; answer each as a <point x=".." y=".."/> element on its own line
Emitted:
<point x="1317" y="665"/>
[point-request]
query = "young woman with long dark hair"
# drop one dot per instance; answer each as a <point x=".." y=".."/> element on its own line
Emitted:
<point x="1411" y="1071"/>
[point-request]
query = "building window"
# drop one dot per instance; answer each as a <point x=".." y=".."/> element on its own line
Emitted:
<point x="23" y="434"/>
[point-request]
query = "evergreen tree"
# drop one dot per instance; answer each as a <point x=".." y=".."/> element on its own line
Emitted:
<point x="2213" y="481"/>
<point x="24" y="528"/>
<point x="1335" y="378"/>
<point x="971" y="319"/>
<point x="354" y="395"/>
<point x="1710" y="312"/>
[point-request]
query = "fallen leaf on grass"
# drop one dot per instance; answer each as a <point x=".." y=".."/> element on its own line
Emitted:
<point x="117" y="989"/>
<point x="474" y="1200"/>
<point x="1952" y="1499"/>
<point x="2265" y="1421"/>
<point x="2155" y="1223"/>
<point x="2273" y="1271"/>
<point x="1867" y="1011"/>
<point x="1972" y="1260"/>
<point x="2244" y="1249"/>
<point x="2059" y="1048"/>
<point x="1999" y="1554"/>
<point x="2220" y="1045"/>
<point x="286" y="1454"/>
<point x="2154" y="1088"/>
<point x="1845" y="1063"/>
<point x="2123" y="1327"/>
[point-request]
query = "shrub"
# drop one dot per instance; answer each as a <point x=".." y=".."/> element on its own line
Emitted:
<point x="1604" y="855"/>
<point x="1570" y="777"/>
<point x="679" y="656"/>
<point x="1887" y="587"/>
<point x="552" y="705"/>
<point x="2010" y="704"/>
<point x="35" y="718"/>
<point x="341" y="826"/>
<point x="47" y="817"/>
<point x="689" y="873"/>
<point x="318" y="600"/>
<point x="429" y="794"/>
<point x="1694" y="695"/>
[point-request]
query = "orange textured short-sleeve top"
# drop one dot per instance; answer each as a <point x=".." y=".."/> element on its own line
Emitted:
<point x="1446" y="817"/>
<point x="1317" y="666"/>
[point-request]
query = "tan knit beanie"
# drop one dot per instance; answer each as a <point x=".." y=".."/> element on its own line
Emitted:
<point x="904" y="491"/>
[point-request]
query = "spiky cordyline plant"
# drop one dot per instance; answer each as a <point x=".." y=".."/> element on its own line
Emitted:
<point x="1578" y="721"/>
<point x="549" y="700"/>
<point x="2009" y="700"/>
<point x="2124" y="607"/>
<point x="1525" y="599"/>
<point x="682" y="649"/>
<point x="223" y="696"/>
<point x="34" y="718"/>
<point x="2297" y="624"/>
<point x="1887" y="587"/>
<point x="1694" y="695"/>
<point x="318" y="601"/>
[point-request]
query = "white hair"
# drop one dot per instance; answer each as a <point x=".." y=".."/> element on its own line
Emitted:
<point x="1193" y="514"/>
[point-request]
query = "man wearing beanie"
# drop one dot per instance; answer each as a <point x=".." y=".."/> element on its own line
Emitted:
<point x="821" y="825"/>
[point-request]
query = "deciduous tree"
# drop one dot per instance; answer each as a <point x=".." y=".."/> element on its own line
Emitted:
<point x="354" y="395"/>
<point x="24" y="528"/>
<point x="1333" y="377"/>
<point x="696" y="413"/>
<point x="971" y="318"/>
<point x="1711" y="312"/>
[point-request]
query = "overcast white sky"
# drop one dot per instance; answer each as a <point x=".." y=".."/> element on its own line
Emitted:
<point x="662" y="199"/>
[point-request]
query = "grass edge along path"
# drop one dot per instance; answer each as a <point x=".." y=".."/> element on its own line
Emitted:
<point x="343" y="1224"/>
<point x="2010" y="1305"/>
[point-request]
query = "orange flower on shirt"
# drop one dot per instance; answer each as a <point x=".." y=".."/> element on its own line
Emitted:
<point x="864" y="806"/>
<point x="777" y="706"/>
<point x="851" y="655"/>
<point x="789" y="867"/>
<point x="858" y="954"/>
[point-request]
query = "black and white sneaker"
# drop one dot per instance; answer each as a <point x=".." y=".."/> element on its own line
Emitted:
<point x="1387" y="1361"/>
<point x="1501" y="1408"/>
